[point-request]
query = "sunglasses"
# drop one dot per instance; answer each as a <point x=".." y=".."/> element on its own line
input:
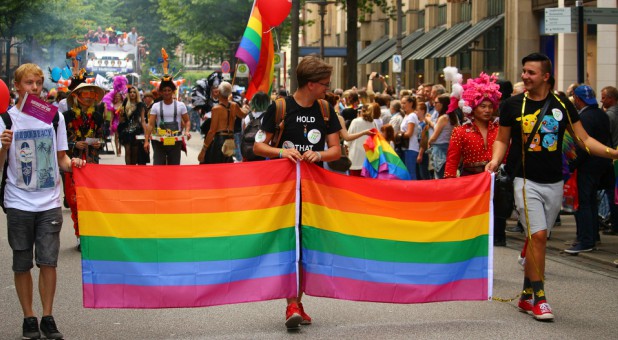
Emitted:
<point x="87" y="94"/>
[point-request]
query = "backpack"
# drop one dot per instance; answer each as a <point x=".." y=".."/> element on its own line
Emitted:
<point x="9" y="124"/>
<point x="248" y="139"/>
<point x="280" y="111"/>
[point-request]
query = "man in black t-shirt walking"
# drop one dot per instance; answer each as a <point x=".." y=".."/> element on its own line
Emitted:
<point x="538" y="180"/>
<point x="304" y="138"/>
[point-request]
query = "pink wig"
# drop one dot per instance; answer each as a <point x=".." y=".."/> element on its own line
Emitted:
<point x="477" y="90"/>
<point x="120" y="85"/>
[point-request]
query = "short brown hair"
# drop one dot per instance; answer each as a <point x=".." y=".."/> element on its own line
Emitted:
<point x="312" y="69"/>
<point x="25" y="69"/>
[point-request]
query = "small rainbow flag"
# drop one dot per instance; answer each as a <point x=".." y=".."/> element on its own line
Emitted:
<point x="251" y="42"/>
<point x="187" y="236"/>
<point x="382" y="162"/>
<point x="257" y="50"/>
<point x="396" y="242"/>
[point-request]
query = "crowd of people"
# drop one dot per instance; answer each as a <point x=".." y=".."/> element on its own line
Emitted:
<point x="480" y="125"/>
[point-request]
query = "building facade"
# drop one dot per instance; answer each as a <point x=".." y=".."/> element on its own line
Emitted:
<point x="473" y="35"/>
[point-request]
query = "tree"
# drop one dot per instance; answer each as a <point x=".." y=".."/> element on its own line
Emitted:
<point x="353" y="7"/>
<point x="12" y="16"/>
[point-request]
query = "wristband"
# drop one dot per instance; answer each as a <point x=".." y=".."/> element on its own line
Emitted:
<point x="280" y="153"/>
<point x="319" y="156"/>
<point x="607" y="151"/>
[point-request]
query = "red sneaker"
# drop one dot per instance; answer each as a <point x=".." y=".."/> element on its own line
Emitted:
<point x="526" y="306"/>
<point x="542" y="311"/>
<point x="306" y="317"/>
<point x="292" y="316"/>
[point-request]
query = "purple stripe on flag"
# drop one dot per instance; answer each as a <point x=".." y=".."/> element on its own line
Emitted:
<point x="356" y="290"/>
<point x="128" y="296"/>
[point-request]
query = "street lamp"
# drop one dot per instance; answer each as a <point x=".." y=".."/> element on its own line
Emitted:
<point x="322" y="13"/>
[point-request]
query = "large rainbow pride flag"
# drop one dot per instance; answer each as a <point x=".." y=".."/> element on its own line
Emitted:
<point x="394" y="241"/>
<point x="187" y="236"/>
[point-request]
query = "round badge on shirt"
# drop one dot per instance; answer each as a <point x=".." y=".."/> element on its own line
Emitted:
<point x="557" y="114"/>
<point x="314" y="136"/>
<point x="260" y="136"/>
<point x="288" y="145"/>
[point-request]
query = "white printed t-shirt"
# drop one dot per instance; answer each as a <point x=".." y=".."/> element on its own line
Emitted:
<point x="33" y="177"/>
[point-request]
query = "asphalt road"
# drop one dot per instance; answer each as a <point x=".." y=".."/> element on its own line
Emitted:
<point x="583" y="297"/>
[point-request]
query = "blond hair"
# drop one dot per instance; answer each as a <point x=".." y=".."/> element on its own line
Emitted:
<point x="26" y="69"/>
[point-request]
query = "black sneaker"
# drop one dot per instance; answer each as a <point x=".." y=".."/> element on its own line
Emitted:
<point x="30" y="328"/>
<point x="578" y="248"/>
<point x="49" y="329"/>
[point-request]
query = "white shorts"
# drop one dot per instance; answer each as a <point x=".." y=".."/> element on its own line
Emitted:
<point x="543" y="202"/>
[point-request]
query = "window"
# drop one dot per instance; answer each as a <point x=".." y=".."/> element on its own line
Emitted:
<point x="466" y="11"/>
<point x="495" y="7"/>
<point x="419" y="72"/>
<point x="494" y="40"/>
<point x="421" y="19"/>
<point x="442" y="15"/>
<point x="465" y="60"/>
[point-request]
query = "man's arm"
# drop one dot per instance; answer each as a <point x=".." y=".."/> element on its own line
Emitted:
<point x="501" y="145"/>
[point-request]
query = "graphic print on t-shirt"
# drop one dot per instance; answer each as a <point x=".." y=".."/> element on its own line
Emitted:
<point x="36" y="169"/>
<point x="547" y="134"/>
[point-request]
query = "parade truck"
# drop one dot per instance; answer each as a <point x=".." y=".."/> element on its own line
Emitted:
<point x="112" y="59"/>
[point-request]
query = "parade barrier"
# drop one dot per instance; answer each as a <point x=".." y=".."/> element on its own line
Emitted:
<point x="189" y="236"/>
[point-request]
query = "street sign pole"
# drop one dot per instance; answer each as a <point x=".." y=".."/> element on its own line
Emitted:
<point x="580" y="41"/>
<point x="398" y="45"/>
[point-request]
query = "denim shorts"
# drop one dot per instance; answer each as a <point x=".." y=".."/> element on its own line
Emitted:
<point x="38" y="231"/>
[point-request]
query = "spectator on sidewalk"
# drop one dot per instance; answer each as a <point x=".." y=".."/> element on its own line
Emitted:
<point x="609" y="99"/>
<point x="590" y="169"/>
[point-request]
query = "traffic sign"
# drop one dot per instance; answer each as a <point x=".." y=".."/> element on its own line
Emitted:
<point x="242" y="71"/>
<point x="560" y="20"/>
<point x="225" y="67"/>
<point x="397" y="63"/>
<point x="602" y="16"/>
<point x="278" y="60"/>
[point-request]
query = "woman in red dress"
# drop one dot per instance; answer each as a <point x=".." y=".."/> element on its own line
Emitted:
<point x="471" y="143"/>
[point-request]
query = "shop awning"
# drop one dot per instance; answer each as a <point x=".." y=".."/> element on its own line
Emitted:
<point x="372" y="47"/>
<point x="407" y="40"/>
<point x="420" y="42"/>
<point x="465" y="38"/>
<point x="370" y="58"/>
<point x="441" y="40"/>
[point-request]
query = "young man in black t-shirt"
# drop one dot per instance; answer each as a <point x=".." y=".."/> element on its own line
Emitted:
<point x="540" y="173"/>
<point x="304" y="138"/>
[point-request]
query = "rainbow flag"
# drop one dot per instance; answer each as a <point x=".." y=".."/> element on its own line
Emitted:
<point x="251" y="42"/>
<point x="257" y="50"/>
<point x="396" y="242"/>
<point x="187" y="236"/>
<point x="382" y="162"/>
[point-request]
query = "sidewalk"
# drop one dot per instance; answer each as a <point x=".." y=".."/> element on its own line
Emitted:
<point x="605" y="253"/>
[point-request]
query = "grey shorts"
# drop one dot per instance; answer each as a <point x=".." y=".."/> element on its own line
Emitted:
<point x="543" y="201"/>
<point x="38" y="231"/>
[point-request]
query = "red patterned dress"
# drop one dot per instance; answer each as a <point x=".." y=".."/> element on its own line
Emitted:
<point x="467" y="146"/>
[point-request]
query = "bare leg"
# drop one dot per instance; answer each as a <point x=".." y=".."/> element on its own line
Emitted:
<point x="23" y="286"/>
<point x="47" y="288"/>
<point x="535" y="256"/>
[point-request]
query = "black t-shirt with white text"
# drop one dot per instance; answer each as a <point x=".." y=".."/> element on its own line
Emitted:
<point x="543" y="162"/>
<point x="304" y="128"/>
